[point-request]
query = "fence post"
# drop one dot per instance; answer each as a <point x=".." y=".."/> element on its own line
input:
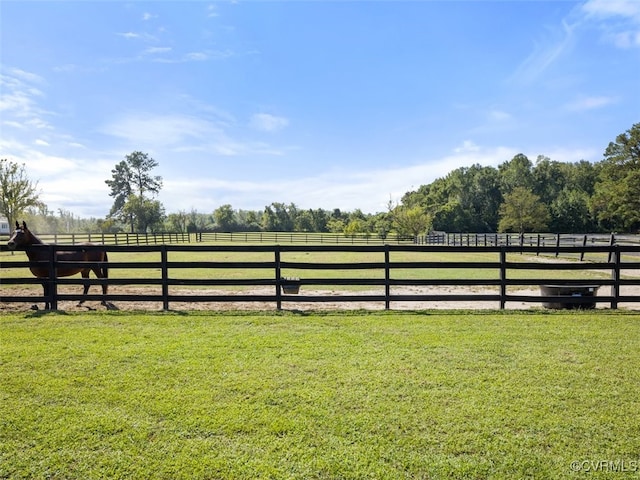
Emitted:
<point x="165" y="277"/>
<point x="503" y="277"/>
<point x="278" y="275"/>
<point x="557" y="245"/>
<point x="387" y="278"/>
<point x="615" y="276"/>
<point x="52" y="281"/>
<point x="612" y="242"/>
<point x="584" y="244"/>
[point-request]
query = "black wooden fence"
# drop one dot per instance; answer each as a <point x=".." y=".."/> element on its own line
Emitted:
<point x="527" y="239"/>
<point x="120" y="238"/>
<point x="164" y="279"/>
<point x="160" y="238"/>
<point x="433" y="238"/>
<point x="302" y="237"/>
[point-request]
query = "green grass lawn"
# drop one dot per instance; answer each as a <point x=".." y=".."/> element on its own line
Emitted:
<point x="319" y="395"/>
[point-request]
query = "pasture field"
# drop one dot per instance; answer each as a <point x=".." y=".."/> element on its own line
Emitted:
<point x="349" y="395"/>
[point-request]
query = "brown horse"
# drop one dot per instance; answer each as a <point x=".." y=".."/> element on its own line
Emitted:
<point x="23" y="239"/>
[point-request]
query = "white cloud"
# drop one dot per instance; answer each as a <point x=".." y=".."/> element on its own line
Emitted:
<point x="36" y="122"/>
<point x="19" y="99"/>
<point x="17" y="102"/>
<point x="499" y="116"/>
<point x="589" y="103"/>
<point x="268" y="123"/>
<point x="196" y="56"/>
<point x="610" y="8"/>
<point x="619" y="20"/>
<point x="467" y="146"/>
<point x="26" y="76"/>
<point x="66" y="68"/>
<point x="558" y="42"/>
<point x="212" y="11"/>
<point x="14" y="124"/>
<point x="184" y="58"/>
<point x="146" y="37"/>
<point x="183" y="133"/>
<point x="159" y="130"/>
<point x="128" y="35"/>
<point x="157" y="50"/>
<point x="570" y="155"/>
<point x="629" y="39"/>
<point x="339" y="188"/>
<point x="67" y="182"/>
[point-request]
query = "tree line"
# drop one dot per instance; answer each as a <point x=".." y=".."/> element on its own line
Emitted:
<point x="519" y="195"/>
<point x="523" y="196"/>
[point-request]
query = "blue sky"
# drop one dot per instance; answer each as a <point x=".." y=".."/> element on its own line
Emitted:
<point x="330" y="104"/>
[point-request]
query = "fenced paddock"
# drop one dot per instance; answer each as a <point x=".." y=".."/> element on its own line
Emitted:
<point x="354" y="276"/>
<point x="120" y="238"/>
<point x="162" y="238"/>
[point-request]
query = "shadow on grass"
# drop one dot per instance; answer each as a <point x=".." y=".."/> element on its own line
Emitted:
<point x="46" y="313"/>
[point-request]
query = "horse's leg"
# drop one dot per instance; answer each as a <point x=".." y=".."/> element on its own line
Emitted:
<point x="45" y="289"/>
<point x="85" y="275"/>
<point x="98" y="272"/>
<point x="104" y="273"/>
<point x="46" y="305"/>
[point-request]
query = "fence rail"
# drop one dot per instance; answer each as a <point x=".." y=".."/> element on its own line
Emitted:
<point x="388" y="271"/>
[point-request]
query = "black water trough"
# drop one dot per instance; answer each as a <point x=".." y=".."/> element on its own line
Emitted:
<point x="573" y="291"/>
<point x="290" y="286"/>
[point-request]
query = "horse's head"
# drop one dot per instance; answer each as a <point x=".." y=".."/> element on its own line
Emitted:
<point x="21" y="237"/>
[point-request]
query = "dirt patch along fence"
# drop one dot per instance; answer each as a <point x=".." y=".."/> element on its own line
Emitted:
<point x="385" y="275"/>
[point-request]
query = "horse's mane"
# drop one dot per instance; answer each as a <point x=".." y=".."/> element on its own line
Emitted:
<point x="34" y="237"/>
<point x="36" y="240"/>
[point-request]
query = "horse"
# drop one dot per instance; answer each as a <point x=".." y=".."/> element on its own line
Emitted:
<point x="24" y="239"/>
